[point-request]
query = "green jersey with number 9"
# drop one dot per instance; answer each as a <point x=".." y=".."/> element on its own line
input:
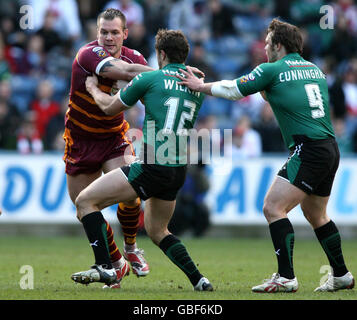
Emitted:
<point x="170" y="111"/>
<point x="298" y="94"/>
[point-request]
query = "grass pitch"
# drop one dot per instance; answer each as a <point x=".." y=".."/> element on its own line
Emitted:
<point x="233" y="266"/>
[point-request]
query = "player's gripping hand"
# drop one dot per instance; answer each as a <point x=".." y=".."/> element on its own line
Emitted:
<point x="91" y="82"/>
<point x="190" y="80"/>
<point x="196" y="71"/>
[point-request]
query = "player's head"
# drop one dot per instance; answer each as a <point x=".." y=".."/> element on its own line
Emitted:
<point x="171" y="47"/>
<point x="112" y="31"/>
<point x="282" y="38"/>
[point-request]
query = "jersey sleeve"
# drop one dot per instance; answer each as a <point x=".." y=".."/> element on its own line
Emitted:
<point x="258" y="80"/>
<point x="92" y="59"/>
<point x="135" y="89"/>
<point x="139" y="58"/>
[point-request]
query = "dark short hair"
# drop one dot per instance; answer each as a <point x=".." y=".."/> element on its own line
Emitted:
<point x="111" y="14"/>
<point x="287" y="35"/>
<point x="174" y="43"/>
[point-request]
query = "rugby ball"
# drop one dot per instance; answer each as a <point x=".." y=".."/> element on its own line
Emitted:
<point x="118" y="85"/>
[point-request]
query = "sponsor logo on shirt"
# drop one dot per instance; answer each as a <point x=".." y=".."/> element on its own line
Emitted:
<point x="101" y="53"/>
<point x="246" y="78"/>
<point x="128" y="85"/>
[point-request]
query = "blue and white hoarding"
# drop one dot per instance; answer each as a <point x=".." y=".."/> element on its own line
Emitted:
<point x="33" y="190"/>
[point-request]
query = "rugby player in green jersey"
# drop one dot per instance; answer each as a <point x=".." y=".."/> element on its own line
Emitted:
<point x="297" y="92"/>
<point x="170" y="111"/>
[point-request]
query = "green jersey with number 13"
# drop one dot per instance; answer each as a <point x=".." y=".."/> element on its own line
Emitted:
<point x="170" y="111"/>
<point x="298" y="94"/>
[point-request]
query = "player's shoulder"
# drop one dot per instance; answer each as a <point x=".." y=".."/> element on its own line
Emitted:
<point x="90" y="46"/>
<point x="132" y="56"/>
<point x="93" y="49"/>
<point x="268" y="66"/>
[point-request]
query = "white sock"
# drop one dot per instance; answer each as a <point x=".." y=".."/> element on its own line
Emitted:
<point x="130" y="247"/>
<point x="119" y="263"/>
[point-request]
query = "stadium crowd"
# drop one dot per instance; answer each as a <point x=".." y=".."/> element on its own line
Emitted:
<point x="226" y="38"/>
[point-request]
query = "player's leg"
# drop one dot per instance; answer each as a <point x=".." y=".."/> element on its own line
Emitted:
<point x="157" y="216"/>
<point x="280" y="199"/>
<point x="103" y="192"/>
<point x="314" y="209"/>
<point x="128" y="214"/>
<point x="77" y="183"/>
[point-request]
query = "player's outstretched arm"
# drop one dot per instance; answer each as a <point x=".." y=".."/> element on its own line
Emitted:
<point x="222" y="89"/>
<point x="191" y="81"/>
<point x="117" y="69"/>
<point x="110" y="105"/>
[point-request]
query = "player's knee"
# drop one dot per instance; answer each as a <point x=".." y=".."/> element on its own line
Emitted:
<point x="132" y="203"/>
<point x="315" y="219"/>
<point x="155" y="234"/>
<point x="267" y="209"/>
<point x="80" y="204"/>
<point x="270" y="210"/>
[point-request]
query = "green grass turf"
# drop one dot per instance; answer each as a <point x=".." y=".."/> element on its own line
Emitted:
<point x="233" y="266"/>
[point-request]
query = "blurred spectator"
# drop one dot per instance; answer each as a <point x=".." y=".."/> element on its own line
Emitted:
<point x="347" y="9"/>
<point x="89" y="9"/>
<point x="4" y="66"/>
<point x="197" y="59"/>
<point x="282" y="9"/>
<point x="256" y="53"/>
<point x="15" y="49"/>
<point x="343" y="44"/>
<point x="191" y="17"/>
<point x="133" y="11"/>
<point x="65" y="12"/>
<point x="337" y="99"/>
<point x="44" y="107"/>
<point x="344" y="140"/>
<point x="28" y="139"/>
<point x="307" y="53"/>
<point x="9" y="123"/>
<point x="51" y="37"/>
<point x="305" y="12"/>
<point x="250" y="106"/>
<point x="156" y="16"/>
<point x="9" y="8"/>
<point x="246" y="142"/>
<point x="137" y="40"/>
<point x="269" y="131"/>
<point x="35" y="56"/>
<point x="6" y="93"/>
<point x="349" y="88"/>
<point x="221" y="18"/>
<point x="53" y="139"/>
<point x="209" y="143"/>
<point x="90" y="31"/>
<point x="8" y="30"/>
<point x="59" y="64"/>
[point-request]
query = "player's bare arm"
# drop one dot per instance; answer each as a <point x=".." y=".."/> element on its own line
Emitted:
<point x="110" y="105"/>
<point x="117" y="69"/>
<point x="222" y="89"/>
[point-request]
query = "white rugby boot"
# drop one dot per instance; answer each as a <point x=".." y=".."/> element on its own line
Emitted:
<point x="277" y="284"/>
<point x="337" y="283"/>
<point x="96" y="273"/>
